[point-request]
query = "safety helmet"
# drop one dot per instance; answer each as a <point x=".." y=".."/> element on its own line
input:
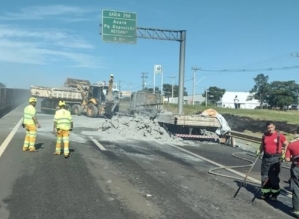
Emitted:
<point x="111" y="75"/>
<point x="61" y="103"/>
<point x="32" y="100"/>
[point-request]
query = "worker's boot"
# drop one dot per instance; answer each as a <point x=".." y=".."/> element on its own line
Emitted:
<point x="32" y="150"/>
<point x="66" y="155"/>
<point x="274" y="198"/>
<point x="25" y="148"/>
<point x="265" y="196"/>
<point x="56" y="153"/>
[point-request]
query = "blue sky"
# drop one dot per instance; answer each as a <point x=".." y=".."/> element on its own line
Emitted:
<point x="44" y="42"/>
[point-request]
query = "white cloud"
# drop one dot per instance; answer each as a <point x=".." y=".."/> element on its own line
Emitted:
<point x="20" y="44"/>
<point x="58" y="38"/>
<point x="46" y="47"/>
<point x="51" y="11"/>
<point x="32" y="53"/>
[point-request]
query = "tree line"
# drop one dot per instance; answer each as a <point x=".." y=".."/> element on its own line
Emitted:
<point x="274" y="94"/>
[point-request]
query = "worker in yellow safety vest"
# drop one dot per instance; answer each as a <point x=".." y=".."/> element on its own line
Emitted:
<point x="63" y="124"/>
<point x="30" y="123"/>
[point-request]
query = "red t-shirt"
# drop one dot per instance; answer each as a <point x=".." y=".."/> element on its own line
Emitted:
<point x="270" y="143"/>
<point x="293" y="149"/>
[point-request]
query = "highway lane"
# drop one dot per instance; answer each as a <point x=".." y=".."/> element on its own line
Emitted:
<point x="130" y="179"/>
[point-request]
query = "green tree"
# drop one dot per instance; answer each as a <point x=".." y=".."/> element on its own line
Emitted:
<point x="261" y="88"/>
<point x="214" y="94"/>
<point x="282" y="93"/>
<point x="167" y="89"/>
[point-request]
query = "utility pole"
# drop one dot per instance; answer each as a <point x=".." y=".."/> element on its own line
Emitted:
<point x="296" y="55"/>
<point x="195" y="69"/>
<point x="130" y="87"/>
<point x="119" y="83"/>
<point x="172" y="78"/>
<point x="206" y="97"/>
<point x="144" y="76"/>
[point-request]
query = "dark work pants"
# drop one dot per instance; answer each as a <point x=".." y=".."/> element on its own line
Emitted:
<point x="295" y="188"/>
<point x="270" y="170"/>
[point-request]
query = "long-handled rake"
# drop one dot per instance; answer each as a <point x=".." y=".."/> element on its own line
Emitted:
<point x="243" y="184"/>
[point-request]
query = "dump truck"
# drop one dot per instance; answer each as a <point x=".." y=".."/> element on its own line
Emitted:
<point x="208" y="125"/>
<point x="81" y="97"/>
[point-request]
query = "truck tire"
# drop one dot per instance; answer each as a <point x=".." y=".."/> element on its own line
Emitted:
<point x="116" y="109"/>
<point x="92" y="111"/>
<point x="68" y="107"/>
<point x="76" y="109"/>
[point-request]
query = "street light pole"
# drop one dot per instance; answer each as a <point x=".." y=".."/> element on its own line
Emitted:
<point x="195" y="69"/>
<point x="172" y="77"/>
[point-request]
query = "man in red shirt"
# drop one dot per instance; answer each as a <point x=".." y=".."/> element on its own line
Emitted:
<point x="292" y="154"/>
<point x="273" y="144"/>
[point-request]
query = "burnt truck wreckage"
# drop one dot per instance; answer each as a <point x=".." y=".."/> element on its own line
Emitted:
<point x="207" y="125"/>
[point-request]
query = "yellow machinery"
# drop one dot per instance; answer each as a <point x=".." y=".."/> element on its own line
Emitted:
<point x="98" y="99"/>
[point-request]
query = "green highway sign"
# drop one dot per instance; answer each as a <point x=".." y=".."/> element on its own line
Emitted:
<point x="119" y="27"/>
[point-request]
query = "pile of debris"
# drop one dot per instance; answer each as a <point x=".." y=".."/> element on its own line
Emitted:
<point x="139" y="127"/>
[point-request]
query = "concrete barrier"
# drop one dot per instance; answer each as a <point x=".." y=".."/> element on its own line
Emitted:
<point x="10" y="98"/>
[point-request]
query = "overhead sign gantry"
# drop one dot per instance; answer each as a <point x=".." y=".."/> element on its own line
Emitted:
<point x="121" y="27"/>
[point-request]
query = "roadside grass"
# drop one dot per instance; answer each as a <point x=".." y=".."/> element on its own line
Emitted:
<point x="290" y="117"/>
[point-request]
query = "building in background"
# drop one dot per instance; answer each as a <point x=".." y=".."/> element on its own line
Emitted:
<point x="198" y="99"/>
<point x="246" y="100"/>
<point x="125" y="94"/>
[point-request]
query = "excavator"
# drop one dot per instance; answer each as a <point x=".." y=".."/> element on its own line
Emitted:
<point x="98" y="99"/>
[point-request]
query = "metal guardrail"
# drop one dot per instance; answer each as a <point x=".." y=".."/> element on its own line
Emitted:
<point x="245" y="137"/>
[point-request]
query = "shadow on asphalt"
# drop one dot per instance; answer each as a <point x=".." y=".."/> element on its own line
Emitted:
<point x="39" y="146"/>
<point x="255" y="190"/>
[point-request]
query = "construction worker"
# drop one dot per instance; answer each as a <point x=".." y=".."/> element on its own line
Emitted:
<point x="63" y="124"/>
<point x="292" y="155"/>
<point x="273" y="145"/>
<point x="30" y="123"/>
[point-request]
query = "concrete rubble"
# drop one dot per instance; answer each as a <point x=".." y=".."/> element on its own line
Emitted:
<point x="139" y="127"/>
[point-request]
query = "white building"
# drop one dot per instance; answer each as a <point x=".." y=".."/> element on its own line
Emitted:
<point x="126" y="94"/>
<point x="246" y="100"/>
<point x="198" y="99"/>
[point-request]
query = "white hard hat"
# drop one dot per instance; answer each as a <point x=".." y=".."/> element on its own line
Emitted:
<point x="111" y="75"/>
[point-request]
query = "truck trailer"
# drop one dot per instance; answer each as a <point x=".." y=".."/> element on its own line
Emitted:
<point x="81" y="97"/>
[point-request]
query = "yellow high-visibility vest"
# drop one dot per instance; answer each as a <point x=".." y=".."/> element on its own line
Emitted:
<point x="63" y="118"/>
<point x="29" y="113"/>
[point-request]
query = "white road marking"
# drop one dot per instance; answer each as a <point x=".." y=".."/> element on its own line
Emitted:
<point x="9" y="137"/>
<point x="98" y="144"/>
<point x="222" y="166"/>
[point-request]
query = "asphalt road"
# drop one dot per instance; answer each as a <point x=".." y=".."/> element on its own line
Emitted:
<point x="126" y="180"/>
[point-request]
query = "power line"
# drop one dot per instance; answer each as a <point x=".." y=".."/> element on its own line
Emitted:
<point x="250" y="70"/>
<point x="274" y="59"/>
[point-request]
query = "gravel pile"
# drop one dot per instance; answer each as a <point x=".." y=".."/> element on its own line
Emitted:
<point x="138" y="127"/>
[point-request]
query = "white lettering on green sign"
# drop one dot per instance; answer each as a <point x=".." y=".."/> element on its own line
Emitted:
<point x="114" y="14"/>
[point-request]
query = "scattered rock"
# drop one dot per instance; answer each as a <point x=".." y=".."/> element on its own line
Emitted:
<point x="139" y="127"/>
